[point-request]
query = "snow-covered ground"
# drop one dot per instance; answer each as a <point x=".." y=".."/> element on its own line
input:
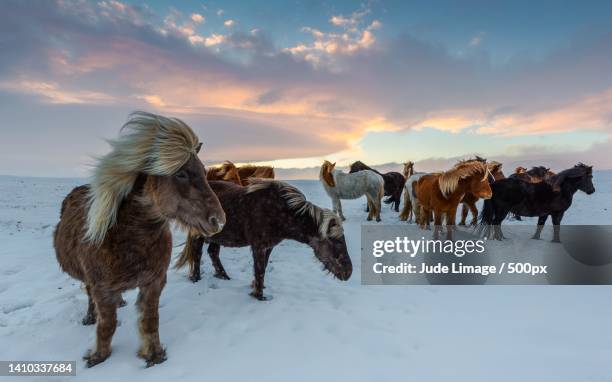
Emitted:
<point x="314" y="327"/>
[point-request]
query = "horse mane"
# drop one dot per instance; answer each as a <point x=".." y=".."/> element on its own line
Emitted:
<point x="326" y="173"/>
<point x="149" y="144"/>
<point x="577" y="171"/>
<point x="297" y="202"/>
<point x="449" y="180"/>
<point x="494" y="166"/>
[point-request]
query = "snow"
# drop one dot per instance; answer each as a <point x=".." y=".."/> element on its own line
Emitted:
<point x="314" y="327"/>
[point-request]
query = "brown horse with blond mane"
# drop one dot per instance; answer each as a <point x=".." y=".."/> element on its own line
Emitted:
<point x="441" y="193"/>
<point x="469" y="199"/>
<point x="114" y="234"/>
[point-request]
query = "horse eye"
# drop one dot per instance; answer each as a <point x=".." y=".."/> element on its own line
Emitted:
<point x="181" y="175"/>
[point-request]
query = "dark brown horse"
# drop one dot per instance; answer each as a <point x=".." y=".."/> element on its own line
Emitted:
<point x="226" y="171"/>
<point x="442" y="193"/>
<point x="114" y="234"/>
<point x="250" y="171"/>
<point x="262" y="215"/>
<point x="469" y="200"/>
<point x="394" y="183"/>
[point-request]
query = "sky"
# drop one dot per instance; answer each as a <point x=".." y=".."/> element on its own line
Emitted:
<point x="290" y="83"/>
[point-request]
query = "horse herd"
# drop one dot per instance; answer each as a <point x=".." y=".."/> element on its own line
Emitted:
<point x="114" y="233"/>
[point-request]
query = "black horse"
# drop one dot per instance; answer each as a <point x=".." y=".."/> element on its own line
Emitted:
<point x="535" y="199"/>
<point x="394" y="183"/>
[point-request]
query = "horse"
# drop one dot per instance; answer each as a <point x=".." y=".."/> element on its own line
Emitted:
<point x="261" y="215"/>
<point x="250" y="171"/>
<point x="469" y="200"/>
<point x="394" y="183"/>
<point x="339" y="185"/>
<point x="226" y="171"/>
<point x="442" y="193"/>
<point x="114" y="234"/>
<point x="535" y="199"/>
<point x="411" y="205"/>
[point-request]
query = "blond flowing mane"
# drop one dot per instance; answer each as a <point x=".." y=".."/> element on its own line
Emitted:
<point x="297" y="202"/>
<point x="449" y="180"/>
<point x="148" y="143"/>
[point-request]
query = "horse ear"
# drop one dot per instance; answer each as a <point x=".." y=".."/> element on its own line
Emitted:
<point x="198" y="147"/>
<point x="333" y="165"/>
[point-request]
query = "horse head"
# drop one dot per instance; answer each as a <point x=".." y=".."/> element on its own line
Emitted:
<point x="408" y="169"/>
<point x="327" y="173"/>
<point x="520" y="170"/>
<point x="580" y="173"/>
<point x="330" y="246"/>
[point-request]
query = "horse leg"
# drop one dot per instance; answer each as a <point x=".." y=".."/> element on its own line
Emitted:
<point x="541" y="222"/>
<point x="268" y="252"/>
<point x="370" y="209"/>
<point x="196" y="243"/>
<point x="151" y="349"/>
<point x="500" y="215"/>
<point x="397" y="197"/>
<point x="474" y="211"/>
<point x="450" y="223"/>
<point x="556" y="220"/>
<point x="106" y="307"/>
<point x="259" y="269"/>
<point x="437" y="224"/>
<point x="378" y="206"/>
<point x="90" y="316"/>
<point x="213" y="253"/>
<point x="464" y="213"/>
<point x="338" y="208"/>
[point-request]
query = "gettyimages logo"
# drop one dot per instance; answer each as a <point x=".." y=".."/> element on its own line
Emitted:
<point x="412" y="248"/>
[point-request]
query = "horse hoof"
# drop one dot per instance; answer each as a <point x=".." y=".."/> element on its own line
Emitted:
<point x="89" y="319"/>
<point x="378" y="219"/>
<point x="222" y="276"/>
<point x="535" y="237"/>
<point x="122" y="303"/>
<point x="555" y="241"/>
<point x="93" y="358"/>
<point x="462" y="223"/>
<point x="154" y="357"/>
<point x="259" y="296"/>
<point x="368" y="219"/>
<point x="195" y="278"/>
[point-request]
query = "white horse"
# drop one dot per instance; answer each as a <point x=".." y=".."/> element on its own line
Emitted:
<point x="412" y="207"/>
<point x="340" y="185"/>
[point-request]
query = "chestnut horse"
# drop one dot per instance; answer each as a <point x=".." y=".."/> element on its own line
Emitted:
<point x="339" y="185"/>
<point x="442" y="193"/>
<point x="261" y="215"/>
<point x="469" y="200"/>
<point x="249" y="171"/>
<point x="114" y="234"/>
<point x="394" y="183"/>
<point x="226" y="171"/>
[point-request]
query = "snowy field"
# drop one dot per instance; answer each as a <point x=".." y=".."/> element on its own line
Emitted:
<point x="314" y="328"/>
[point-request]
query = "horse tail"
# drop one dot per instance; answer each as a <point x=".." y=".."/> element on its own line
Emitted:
<point x="407" y="207"/>
<point x="188" y="254"/>
<point x="488" y="213"/>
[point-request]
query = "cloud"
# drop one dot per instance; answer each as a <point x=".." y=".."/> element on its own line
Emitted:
<point x="352" y="37"/>
<point x="343" y="80"/>
<point x="229" y="23"/>
<point x="197" y="18"/>
<point x="54" y="94"/>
